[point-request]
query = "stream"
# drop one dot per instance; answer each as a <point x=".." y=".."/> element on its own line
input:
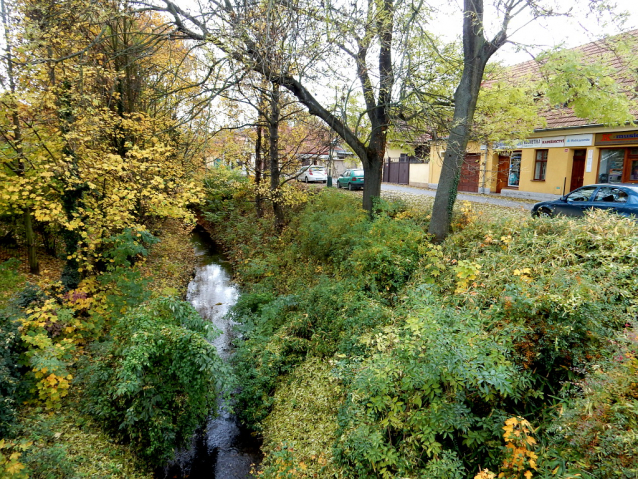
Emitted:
<point x="222" y="449"/>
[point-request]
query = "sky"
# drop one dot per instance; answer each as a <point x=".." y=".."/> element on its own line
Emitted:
<point x="543" y="34"/>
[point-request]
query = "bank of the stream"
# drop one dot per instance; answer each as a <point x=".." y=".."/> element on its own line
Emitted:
<point x="56" y="435"/>
<point x="367" y="351"/>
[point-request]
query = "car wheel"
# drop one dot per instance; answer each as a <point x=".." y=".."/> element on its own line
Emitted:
<point x="544" y="213"/>
<point x="338" y="184"/>
<point x="306" y="179"/>
<point x="350" y="188"/>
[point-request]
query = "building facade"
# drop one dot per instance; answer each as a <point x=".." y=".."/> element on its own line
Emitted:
<point x="567" y="153"/>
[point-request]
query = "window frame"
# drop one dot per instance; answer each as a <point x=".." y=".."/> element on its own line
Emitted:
<point x="540" y="174"/>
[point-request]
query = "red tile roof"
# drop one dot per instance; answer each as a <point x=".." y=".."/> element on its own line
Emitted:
<point x="597" y="51"/>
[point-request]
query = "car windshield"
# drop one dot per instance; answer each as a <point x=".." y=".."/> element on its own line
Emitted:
<point x="357" y="173"/>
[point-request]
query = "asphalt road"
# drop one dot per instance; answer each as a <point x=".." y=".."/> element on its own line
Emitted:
<point x="486" y="199"/>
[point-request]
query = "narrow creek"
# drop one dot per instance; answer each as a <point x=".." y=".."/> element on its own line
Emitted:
<point x="222" y="449"/>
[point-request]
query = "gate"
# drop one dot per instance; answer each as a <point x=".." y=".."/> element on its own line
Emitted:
<point x="396" y="172"/>
<point x="470" y="172"/>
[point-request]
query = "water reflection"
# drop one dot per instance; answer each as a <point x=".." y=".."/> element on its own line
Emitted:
<point x="222" y="450"/>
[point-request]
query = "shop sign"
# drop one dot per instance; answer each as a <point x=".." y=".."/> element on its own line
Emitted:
<point x="579" y="140"/>
<point x="552" y="142"/>
<point x="620" y="138"/>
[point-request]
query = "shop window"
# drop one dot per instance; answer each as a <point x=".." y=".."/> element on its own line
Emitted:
<point x="514" y="176"/>
<point x="611" y="165"/>
<point x="633" y="173"/>
<point x="540" y="166"/>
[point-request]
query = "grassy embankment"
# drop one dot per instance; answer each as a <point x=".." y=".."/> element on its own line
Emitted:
<point x="368" y="351"/>
<point x="59" y="439"/>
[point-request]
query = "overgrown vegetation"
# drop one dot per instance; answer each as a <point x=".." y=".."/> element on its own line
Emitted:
<point x="509" y="350"/>
<point x="102" y="380"/>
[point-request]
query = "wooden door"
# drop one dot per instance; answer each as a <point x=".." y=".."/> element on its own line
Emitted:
<point x="470" y="172"/>
<point x="404" y="173"/>
<point x="578" y="169"/>
<point x="502" y="172"/>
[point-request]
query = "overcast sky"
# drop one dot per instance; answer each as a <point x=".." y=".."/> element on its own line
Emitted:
<point x="542" y="34"/>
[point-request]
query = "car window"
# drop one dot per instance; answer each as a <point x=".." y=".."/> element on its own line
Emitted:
<point x="581" y="194"/>
<point x="610" y="194"/>
<point x="358" y="172"/>
<point x="318" y="169"/>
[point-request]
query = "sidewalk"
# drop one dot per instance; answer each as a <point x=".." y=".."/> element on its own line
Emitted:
<point x="475" y="198"/>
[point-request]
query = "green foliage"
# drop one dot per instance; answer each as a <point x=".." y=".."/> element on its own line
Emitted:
<point x="438" y="383"/>
<point x="9" y="372"/>
<point x="10" y="280"/>
<point x="222" y="185"/>
<point x="157" y="377"/>
<point x="439" y="349"/>
<point x="590" y="89"/>
<point x="301" y="429"/>
<point x="598" y="430"/>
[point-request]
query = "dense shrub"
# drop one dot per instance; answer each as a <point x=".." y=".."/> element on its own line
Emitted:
<point x="10" y="281"/>
<point x="156" y="379"/>
<point x="450" y="357"/>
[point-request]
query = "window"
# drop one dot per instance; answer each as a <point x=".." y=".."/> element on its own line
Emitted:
<point x="514" y="176"/>
<point x="611" y="165"/>
<point x="633" y="174"/>
<point x="581" y="194"/>
<point x="610" y="194"/>
<point x="540" y="166"/>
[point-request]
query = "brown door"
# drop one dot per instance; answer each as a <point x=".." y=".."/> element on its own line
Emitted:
<point x="502" y="173"/>
<point x="470" y="170"/>
<point x="404" y="173"/>
<point x="578" y="169"/>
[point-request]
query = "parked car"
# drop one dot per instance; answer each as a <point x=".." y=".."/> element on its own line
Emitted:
<point x="619" y="198"/>
<point x="312" y="173"/>
<point x="351" y="179"/>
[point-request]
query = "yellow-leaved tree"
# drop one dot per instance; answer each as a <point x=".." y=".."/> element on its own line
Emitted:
<point x="102" y="105"/>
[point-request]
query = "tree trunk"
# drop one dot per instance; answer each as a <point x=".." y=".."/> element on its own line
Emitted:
<point x="373" y="176"/>
<point x="273" y="153"/>
<point x="259" y="200"/>
<point x="476" y="53"/>
<point x="34" y="267"/>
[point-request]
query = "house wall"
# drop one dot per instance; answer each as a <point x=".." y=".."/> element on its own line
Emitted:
<point x="558" y="173"/>
<point x="419" y="174"/>
<point x="394" y="152"/>
<point x="436" y="162"/>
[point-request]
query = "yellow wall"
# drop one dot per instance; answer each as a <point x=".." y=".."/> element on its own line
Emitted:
<point x="559" y="162"/>
<point x="436" y="160"/>
<point x="420" y="174"/>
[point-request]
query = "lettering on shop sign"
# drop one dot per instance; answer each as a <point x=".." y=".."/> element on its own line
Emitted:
<point x="570" y="141"/>
<point x="620" y="138"/>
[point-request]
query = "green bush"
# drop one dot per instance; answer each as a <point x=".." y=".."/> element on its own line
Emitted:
<point x="156" y="379"/>
<point x="597" y="433"/>
<point x="10" y="378"/>
<point x="439" y="345"/>
<point x="438" y="383"/>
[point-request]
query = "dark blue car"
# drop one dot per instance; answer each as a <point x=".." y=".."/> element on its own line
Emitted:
<point x="619" y="198"/>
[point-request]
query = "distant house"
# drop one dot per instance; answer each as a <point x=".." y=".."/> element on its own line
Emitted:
<point x="407" y="161"/>
<point x="566" y="154"/>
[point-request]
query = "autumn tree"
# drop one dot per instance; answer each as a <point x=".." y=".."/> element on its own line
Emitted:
<point x="320" y="41"/>
<point x="15" y="162"/>
<point x="100" y="96"/>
